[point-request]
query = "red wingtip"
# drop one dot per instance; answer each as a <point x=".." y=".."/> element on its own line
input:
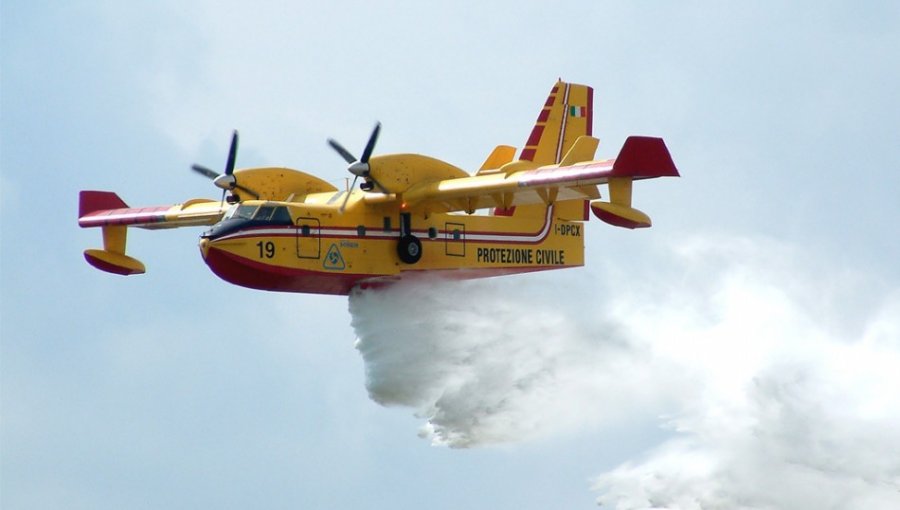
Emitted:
<point x="643" y="157"/>
<point x="93" y="201"/>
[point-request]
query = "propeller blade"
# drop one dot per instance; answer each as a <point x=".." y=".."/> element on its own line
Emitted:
<point x="232" y="154"/>
<point x="227" y="181"/>
<point x="202" y="170"/>
<point x="347" y="198"/>
<point x="359" y="167"/>
<point x="370" y="146"/>
<point x="378" y="185"/>
<point x="246" y="189"/>
<point x="349" y="158"/>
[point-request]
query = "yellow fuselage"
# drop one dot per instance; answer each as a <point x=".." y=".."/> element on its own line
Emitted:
<point x="322" y="250"/>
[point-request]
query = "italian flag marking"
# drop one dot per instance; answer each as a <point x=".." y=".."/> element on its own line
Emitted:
<point x="577" y="111"/>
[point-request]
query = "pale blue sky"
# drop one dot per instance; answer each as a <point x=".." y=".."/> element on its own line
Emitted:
<point x="177" y="390"/>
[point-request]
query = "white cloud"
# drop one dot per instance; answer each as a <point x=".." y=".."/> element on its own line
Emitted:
<point x="793" y="412"/>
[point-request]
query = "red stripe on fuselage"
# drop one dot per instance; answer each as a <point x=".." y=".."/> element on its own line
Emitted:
<point x="350" y="233"/>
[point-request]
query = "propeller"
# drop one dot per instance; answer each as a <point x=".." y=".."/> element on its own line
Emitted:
<point x="227" y="181"/>
<point x="359" y="167"/>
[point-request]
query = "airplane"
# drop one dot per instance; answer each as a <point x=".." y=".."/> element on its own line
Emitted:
<point x="280" y="229"/>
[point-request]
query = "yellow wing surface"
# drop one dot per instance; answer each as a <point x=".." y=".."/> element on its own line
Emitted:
<point x="106" y="210"/>
<point x="556" y="166"/>
<point x="640" y="158"/>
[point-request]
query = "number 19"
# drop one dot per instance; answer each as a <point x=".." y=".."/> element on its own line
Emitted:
<point x="266" y="249"/>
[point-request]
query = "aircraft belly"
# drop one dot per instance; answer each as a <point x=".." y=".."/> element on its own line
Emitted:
<point x="245" y="272"/>
<point x="273" y="262"/>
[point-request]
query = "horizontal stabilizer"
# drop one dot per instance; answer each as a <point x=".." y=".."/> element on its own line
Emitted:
<point x="501" y="155"/>
<point x="582" y="150"/>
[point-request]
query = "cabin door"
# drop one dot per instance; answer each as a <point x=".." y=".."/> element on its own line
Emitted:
<point x="455" y="239"/>
<point x="308" y="242"/>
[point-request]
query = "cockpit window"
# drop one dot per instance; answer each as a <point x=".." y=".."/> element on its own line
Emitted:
<point x="244" y="216"/>
<point x="281" y="216"/>
<point x="243" y="212"/>
<point x="273" y="215"/>
<point x="264" y="213"/>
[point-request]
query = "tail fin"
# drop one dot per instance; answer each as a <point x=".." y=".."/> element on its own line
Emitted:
<point x="567" y="114"/>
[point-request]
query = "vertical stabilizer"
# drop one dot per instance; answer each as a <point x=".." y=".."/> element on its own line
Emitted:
<point x="567" y="114"/>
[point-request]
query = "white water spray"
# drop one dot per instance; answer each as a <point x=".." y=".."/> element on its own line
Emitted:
<point x="778" y="377"/>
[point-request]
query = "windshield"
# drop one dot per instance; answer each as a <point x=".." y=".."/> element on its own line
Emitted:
<point x="241" y="216"/>
<point x="244" y="212"/>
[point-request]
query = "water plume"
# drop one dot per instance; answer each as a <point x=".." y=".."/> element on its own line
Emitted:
<point x="489" y="361"/>
<point x="776" y="374"/>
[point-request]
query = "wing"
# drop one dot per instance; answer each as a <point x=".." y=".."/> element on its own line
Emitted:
<point x="106" y="210"/>
<point x="520" y="183"/>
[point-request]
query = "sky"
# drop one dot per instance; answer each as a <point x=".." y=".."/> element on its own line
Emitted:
<point x="741" y="353"/>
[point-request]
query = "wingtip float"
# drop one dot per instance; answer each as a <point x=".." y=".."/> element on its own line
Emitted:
<point x="286" y="230"/>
